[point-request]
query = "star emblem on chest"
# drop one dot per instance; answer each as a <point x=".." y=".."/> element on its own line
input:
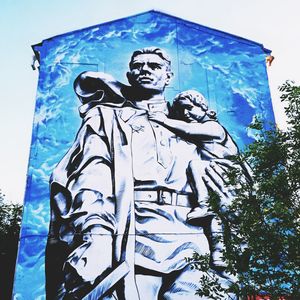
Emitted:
<point x="137" y="128"/>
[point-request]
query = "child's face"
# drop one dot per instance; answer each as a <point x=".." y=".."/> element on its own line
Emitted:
<point x="189" y="111"/>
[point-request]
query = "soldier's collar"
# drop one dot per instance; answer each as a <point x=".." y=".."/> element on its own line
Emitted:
<point x="152" y="106"/>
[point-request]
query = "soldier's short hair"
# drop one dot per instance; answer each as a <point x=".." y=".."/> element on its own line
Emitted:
<point x="152" y="50"/>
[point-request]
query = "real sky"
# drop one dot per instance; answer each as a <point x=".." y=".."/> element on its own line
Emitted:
<point x="274" y="23"/>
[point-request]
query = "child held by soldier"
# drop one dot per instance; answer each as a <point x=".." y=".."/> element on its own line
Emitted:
<point x="192" y="120"/>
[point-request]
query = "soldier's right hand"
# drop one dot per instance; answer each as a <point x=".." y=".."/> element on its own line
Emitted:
<point x="88" y="262"/>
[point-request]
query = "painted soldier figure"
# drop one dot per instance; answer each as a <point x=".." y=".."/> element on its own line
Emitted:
<point x="121" y="195"/>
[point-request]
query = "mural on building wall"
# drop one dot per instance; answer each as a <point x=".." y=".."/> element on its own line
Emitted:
<point x="164" y="106"/>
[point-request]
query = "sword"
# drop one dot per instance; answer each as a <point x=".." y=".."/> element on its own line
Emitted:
<point x="108" y="282"/>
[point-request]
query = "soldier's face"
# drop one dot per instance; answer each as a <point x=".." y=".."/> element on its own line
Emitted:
<point x="149" y="71"/>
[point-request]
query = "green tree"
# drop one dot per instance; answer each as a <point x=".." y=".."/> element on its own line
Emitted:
<point x="268" y="211"/>
<point x="10" y="219"/>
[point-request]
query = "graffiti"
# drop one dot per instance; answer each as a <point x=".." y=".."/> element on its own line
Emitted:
<point x="118" y="181"/>
<point x="130" y="177"/>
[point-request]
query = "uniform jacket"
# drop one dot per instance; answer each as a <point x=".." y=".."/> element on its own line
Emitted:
<point x="90" y="196"/>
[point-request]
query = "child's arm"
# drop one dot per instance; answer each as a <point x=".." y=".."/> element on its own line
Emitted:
<point x="197" y="131"/>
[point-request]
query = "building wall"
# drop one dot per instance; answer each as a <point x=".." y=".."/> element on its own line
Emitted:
<point x="229" y="71"/>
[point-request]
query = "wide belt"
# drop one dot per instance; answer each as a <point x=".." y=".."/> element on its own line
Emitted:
<point x="163" y="197"/>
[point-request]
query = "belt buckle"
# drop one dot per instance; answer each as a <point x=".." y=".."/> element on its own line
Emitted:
<point x="164" y="197"/>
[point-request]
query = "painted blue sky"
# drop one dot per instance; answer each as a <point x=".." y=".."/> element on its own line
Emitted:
<point x="24" y="23"/>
